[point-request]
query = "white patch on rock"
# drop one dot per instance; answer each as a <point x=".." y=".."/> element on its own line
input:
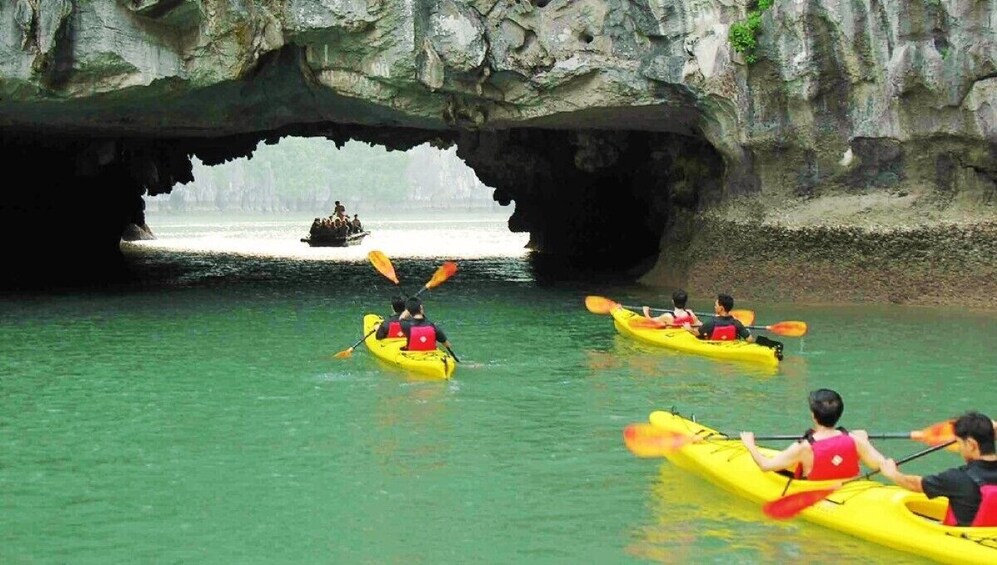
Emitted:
<point x="847" y="158"/>
<point x="458" y="36"/>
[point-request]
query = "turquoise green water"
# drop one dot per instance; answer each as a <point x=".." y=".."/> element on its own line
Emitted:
<point x="199" y="417"/>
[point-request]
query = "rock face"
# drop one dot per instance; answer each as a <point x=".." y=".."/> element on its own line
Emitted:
<point x="615" y="125"/>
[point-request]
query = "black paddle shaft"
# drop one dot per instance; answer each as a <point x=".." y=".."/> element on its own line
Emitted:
<point x="921" y="453"/>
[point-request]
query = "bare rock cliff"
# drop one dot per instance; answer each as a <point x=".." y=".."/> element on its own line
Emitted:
<point x="873" y="115"/>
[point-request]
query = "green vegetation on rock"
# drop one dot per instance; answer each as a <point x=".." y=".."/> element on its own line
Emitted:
<point x="743" y="35"/>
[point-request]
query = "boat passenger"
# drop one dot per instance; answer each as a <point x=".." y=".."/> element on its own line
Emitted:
<point x="823" y="452"/>
<point x="338" y="210"/>
<point x="421" y="333"/>
<point x="724" y="327"/>
<point x="971" y="488"/>
<point x="391" y="327"/>
<point x="357" y="226"/>
<point x="679" y="315"/>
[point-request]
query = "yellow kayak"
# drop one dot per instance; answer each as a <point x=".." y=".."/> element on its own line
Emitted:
<point x="681" y="340"/>
<point x="438" y="364"/>
<point x="887" y="515"/>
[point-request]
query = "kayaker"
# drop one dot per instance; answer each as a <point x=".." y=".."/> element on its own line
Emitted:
<point x="824" y="452"/>
<point x="421" y="333"/>
<point x="971" y="488"/>
<point x="391" y="326"/>
<point x="679" y="315"/>
<point x="724" y="327"/>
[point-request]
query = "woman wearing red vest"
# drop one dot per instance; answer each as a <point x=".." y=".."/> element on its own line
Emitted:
<point x="679" y="315"/>
<point x="391" y="327"/>
<point x="824" y="452"/>
<point x="972" y="488"/>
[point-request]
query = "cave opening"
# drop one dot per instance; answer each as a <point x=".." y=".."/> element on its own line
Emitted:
<point x="591" y="200"/>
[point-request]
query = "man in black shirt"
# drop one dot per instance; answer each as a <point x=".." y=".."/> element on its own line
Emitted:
<point x="961" y="485"/>
<point x="724" y="327"/>
<point x="429" y="334"/>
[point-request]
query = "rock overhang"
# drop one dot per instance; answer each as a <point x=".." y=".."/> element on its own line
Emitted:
<point x="615" y="84"/>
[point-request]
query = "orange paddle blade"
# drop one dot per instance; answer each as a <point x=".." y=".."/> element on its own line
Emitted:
<point x="788" y="329"/>
<point x="647" y="440"/>
<point x="445" y="271"/>
<point x="935" y="434"/>
<point x="600" y="304"/>
<point x="789" y="506"/>
<point x="383" y="265"/>
<point x="746" y="317"/>
<point x="344" y="353"/>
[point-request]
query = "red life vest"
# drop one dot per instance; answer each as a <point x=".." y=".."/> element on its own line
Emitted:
<point x="724" y="333"/>
<point x="685" y="318"/>
<point x="986" y="515"/>
<point x="395" y="329"/>
<point x="834" y="458"/>
<point x="422" y="338"/>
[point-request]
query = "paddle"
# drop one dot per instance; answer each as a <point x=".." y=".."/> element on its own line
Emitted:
<point x="603" y="305"/>
<point x="788" y="507"/>
<point x="788" y="329"/>
<point x="446" y="270"/>
<point x="383" y="265"/>
<point x="452" y="354"/>
<point x="346" y="353"/>
<point x="648" y="440"/>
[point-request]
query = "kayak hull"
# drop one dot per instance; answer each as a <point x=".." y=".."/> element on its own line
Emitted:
<point x="679" y="339"/>
<point x="867" y="509"/>
<point x="437" y="364"/>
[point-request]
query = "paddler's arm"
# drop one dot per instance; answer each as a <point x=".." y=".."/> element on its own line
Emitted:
<point x="440" y="336"/>
<point x="909" y="482"/>
<point x="872" y="458"/>
<point x="665" y="318"/>
<point x="785" y="459"/>
<point x="700" y="330"/>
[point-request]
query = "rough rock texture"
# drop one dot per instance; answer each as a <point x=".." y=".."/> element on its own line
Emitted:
<point x="615" y="125"/>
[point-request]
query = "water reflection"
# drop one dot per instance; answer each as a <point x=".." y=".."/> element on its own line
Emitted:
<point x="695" y="522"/>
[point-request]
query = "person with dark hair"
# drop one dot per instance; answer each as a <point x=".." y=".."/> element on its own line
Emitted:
<point x="724" y="327"/>
<point x="679" y="315"/>
<point x="338" y="210"/>
<point x="824" y="452"/>
<point x="392" y="326"/>
<point x="971" y="488"/>
<point x="422" y="334"/>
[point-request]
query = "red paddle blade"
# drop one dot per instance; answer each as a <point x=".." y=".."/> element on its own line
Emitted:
<point x="789" y="506"/>
<point x="644" y="323"/>
<point x="746" y="317"/>
<point x="600" y="304"/>
<point x="789" y="329"/>
<point x="383" y="265"/>
<point x="344" y="354"/>
<point x="445" y="271"/>
<point x="646" y="440"/>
